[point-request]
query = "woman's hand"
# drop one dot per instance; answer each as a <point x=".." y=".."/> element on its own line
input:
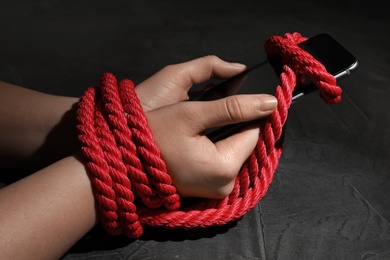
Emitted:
<point x="199" y="167"/>
<point x="33" y="206"/>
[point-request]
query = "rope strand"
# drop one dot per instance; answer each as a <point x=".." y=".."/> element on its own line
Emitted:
<point x="123" y="159"/>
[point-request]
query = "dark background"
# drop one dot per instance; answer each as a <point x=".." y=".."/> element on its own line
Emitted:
<point x="330" y="196"/>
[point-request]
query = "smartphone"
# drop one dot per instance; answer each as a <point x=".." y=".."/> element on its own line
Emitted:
<point x="263" y="78"/>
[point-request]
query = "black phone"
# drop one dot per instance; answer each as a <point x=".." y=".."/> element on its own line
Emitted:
<point x="264" y="77"/>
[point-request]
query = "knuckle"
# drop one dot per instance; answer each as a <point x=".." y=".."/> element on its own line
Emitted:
<point x="173" y="75"/>
<point x="215" y="176"/>
<point x="219" y="168"/>
<point x="211" y="58"/>
<point x="187" y="115"/>
<point x="234" y="109"/>
<point x="174" y="70"/>
<point x="223" y="179"/>
<point x="210" y="62"/>
<point x="224" y="191"/>
<point x="169" y="68"/>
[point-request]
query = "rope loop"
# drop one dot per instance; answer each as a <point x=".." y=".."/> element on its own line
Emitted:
<point x="303" y="63"/>
<point x="124" y="161"/>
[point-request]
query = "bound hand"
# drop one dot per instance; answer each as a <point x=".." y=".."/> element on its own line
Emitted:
<point x="197" y="166"/>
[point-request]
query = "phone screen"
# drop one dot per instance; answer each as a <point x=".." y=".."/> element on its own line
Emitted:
<point x="264" y="77"/>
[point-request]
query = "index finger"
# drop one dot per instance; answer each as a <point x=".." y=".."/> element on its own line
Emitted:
<point x="205" y="68"/>
<point x="171" y="84"/>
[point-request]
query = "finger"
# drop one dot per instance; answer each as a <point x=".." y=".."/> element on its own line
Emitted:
<point x="205" y="68"/>
<point x="236" y="148"/>
<point x="171" y="84"/>
<point x="230" y="110"/>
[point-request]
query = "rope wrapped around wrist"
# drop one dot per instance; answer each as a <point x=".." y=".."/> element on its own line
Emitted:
<point x="123" y="160"/>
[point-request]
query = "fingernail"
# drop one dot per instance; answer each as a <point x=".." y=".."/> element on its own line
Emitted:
<point x="238" y="65"/>
<point x="268" y="103"/>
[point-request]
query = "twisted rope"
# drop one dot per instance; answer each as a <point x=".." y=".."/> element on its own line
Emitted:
<point x="123" y="159"/>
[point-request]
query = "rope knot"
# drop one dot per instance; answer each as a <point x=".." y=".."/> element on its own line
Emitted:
<point x="289" y="49"/>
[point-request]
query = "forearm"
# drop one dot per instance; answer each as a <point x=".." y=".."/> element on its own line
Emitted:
<point x="54" y="206"/>
<point x="36" y="128"/>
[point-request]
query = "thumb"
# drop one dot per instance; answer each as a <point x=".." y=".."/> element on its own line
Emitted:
<point x="233" y="109"/>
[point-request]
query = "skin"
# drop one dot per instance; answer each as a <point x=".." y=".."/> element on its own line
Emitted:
<point x="44" y="214"/>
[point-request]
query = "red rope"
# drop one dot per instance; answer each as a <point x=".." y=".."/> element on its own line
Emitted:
<point x="123" y="159"/>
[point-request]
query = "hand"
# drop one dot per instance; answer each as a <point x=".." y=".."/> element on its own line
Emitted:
<point x="197" y="166"/>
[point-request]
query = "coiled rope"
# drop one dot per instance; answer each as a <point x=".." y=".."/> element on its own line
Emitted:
<point x="124" y="162"/>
